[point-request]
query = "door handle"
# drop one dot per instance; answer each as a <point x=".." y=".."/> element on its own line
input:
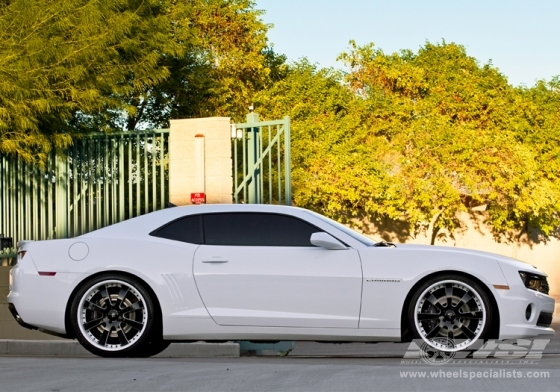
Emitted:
<point x="215" y="260"/>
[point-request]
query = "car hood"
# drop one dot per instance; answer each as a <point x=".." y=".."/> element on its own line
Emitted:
<point x="500" y="258"/>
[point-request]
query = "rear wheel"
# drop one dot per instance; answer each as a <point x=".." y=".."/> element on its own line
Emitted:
<point x="450" y="313"/>
<point x="113" y="316"/>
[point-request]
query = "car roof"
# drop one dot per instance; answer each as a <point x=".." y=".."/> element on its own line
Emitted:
<point x="141" y="226"/>
<point x="144" y="224"/>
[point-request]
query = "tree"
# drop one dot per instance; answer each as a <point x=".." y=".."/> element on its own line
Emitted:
<point x="454" y="126"/>
<point x="226" y="60"/>
<point x="420" y="137"/>
<point x="335" y="163"/>
<point x="537" y="125"/>
<point x="62" y="61"/>
<point x="74" y="66"/>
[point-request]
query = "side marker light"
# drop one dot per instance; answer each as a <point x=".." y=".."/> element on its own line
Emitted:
<point x="44" y="273"/>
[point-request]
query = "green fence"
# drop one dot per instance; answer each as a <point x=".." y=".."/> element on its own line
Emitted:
<point x="101" y="180"/>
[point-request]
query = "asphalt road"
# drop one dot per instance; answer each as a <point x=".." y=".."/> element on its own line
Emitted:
<point x="310" y="367"/>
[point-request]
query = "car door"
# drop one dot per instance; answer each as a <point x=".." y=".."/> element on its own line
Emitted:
<point x="260" y="269"/>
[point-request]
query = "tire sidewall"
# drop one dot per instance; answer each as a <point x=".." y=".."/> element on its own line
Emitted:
<point x="131" y="351"/>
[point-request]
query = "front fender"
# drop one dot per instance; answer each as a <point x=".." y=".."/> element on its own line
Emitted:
<point x="391" y="273"/>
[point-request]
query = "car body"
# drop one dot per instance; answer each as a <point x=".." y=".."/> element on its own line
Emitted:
<point x="251" y="272"/>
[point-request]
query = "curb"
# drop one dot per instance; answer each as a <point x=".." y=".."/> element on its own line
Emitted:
<point x="73" y="349"/>
<point x="200" y="350"/>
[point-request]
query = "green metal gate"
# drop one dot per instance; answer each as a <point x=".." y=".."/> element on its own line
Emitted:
<point x="261" y="161"/>
<point x="106" y="178"/>
<point x="103" y="179"/>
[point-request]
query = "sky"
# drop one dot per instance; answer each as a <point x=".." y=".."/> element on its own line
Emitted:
<point x="520" y="38"/>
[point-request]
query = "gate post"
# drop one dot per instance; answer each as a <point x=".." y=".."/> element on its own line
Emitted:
<point x="288" y="161"/>
<point x="252" y="154"/>
<point x="217" y="167"/>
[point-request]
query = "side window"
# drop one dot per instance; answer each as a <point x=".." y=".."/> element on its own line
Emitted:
<point x="256" y="229"/>
<point x="185" y="229"/>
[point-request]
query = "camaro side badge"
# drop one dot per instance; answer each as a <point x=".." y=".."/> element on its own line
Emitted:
<point x="384" y="280"/>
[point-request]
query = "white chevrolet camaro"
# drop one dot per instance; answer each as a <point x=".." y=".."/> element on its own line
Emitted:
<point x="267" y="273"/>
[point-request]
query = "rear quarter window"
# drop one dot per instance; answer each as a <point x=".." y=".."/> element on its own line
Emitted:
<point x="185" y="229"/>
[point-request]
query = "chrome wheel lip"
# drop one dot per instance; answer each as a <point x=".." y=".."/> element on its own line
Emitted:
<point x="459" y="344"/>
<point x="81" y="315"/>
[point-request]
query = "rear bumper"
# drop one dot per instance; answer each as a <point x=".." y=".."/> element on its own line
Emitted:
<point x="39" y="301"/>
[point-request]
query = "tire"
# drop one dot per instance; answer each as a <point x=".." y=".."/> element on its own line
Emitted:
<point x="450" y="313"/>
<point x="113" y="315"/>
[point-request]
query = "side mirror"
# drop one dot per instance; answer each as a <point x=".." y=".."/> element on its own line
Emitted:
<point x="327" y="241"/>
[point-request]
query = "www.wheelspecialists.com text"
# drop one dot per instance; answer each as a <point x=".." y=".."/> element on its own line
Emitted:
<point x="473" y="374"/>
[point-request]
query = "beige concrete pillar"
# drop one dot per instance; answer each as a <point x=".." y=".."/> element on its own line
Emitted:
<point x="188" y="138"/>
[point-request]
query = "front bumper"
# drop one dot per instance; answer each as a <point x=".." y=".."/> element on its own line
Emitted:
<point x="513" y="305"/>
<point x="524" y="313"/>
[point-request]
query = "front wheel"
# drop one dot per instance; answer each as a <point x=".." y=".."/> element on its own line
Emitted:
<point x="450" y="313"/>
<point x="113" y="316"/>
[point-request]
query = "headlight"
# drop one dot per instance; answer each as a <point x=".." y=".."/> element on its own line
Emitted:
<point x="534" y="281"/>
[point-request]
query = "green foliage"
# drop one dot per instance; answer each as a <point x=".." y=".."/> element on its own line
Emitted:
<point x="421" y="137"/>
<point x="455" y="127"/>
<point x="329" y="141"/>
<point x="414" y="136"/>
<point x="63" y="59"/>
<point x="73" y="66"/>
<point x="226" y="60"/>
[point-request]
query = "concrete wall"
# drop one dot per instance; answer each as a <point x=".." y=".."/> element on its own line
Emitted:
<point x="218" y="181"/>
<point x="475" y="234"/>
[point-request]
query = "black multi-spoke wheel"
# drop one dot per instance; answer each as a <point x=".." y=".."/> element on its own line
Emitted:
<point x="113" y="316"/>
<point x="450" y="313"/>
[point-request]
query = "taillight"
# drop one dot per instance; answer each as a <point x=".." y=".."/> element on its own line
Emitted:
<point x="19" y="257"/>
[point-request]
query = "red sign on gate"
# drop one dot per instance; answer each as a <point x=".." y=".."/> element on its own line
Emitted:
<point x="198" y="198"/>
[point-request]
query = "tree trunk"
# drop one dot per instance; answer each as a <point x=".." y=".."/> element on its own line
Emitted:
<point x="432" y="227"/>
<point x="134" y="120"/>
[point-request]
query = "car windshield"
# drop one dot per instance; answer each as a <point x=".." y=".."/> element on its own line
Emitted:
<point x="354" y="234"/>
